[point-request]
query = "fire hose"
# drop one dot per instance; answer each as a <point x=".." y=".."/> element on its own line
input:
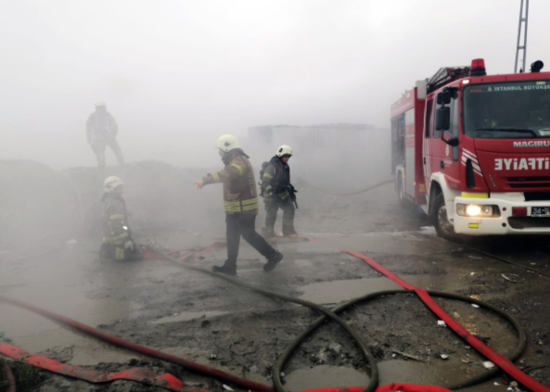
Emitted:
<point x="145" y="376"/>
<point x="373" y="384"/>
<point x="504" y="363"/>
<point x="152" y="353"/>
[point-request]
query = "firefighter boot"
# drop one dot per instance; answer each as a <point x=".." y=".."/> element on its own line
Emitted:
<point x="230" y="270"/>
<point x="273" y="261"/>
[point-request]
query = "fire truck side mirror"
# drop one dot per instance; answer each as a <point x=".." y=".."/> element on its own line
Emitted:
<point x="443" y="118"/>
<point x="444" y="98"/>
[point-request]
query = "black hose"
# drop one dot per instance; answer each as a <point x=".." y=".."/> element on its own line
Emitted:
<point x="522" y="339"/>
<point x="373" y="383"/>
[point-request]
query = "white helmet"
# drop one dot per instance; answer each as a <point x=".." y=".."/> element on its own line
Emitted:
<point x="227" y="143"/>
<point x="100" y="103"/>
<point x="284" y="150"/>
<point x="111" y="183"/>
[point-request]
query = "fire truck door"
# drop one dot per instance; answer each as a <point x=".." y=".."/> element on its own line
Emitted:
<point x="444" y="158"/>
<point x="428" y="140"/>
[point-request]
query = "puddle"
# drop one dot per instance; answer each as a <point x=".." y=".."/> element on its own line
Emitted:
<point x="187" y="316"/>
<point x="66" y="283"/>
<point x="324" y="376"/>
<point x="411" y="372"/>
<point x="435" y="372"/>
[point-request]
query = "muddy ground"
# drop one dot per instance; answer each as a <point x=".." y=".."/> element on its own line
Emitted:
<point x="48" y="258"/>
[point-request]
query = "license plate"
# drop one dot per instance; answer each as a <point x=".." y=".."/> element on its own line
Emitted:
<point x="540" y="212"/>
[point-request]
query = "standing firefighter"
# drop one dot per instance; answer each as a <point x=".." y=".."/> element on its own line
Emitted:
<point x="101" y="131"/>
<point x="241" y="205"/>
<point x="117" y="241"/>
<point x="278" y="192"/>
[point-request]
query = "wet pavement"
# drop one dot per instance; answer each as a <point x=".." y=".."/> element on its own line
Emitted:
<point x="162" y="305"/>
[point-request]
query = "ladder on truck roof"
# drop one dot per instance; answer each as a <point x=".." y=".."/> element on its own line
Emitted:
<point x="522" y="28"/>
<point x="446" y="75"/>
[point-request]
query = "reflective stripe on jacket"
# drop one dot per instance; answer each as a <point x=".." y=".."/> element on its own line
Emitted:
<point x="239" y="185"/>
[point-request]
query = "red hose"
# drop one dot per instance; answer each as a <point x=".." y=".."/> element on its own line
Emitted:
<point x="210" y="248"/>
<point x="197" y="367"/>
<point x="9" y="378"/>
<point x="394" y="387"/>
<point x="348" y="193"/>
<point x="144" y="376"/>
<point x="502" y="362"/>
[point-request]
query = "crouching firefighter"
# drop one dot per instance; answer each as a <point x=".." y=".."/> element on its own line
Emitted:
<point x="117" y="241"/>
<point x="241" y="205"/>
<point x="278" y="192"/>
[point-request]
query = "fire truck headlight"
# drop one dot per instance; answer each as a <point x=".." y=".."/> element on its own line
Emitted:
<point x="477" y="210"/>
<point x="473" y="210"/>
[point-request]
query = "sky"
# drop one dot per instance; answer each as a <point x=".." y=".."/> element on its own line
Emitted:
<point x="177" y="74"/>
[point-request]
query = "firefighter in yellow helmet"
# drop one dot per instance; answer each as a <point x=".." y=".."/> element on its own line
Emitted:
<point x="241" y="205"/>
<point x="117" y="241"/>
<point x="101" y="131"/>
<point x="278" y="192"/>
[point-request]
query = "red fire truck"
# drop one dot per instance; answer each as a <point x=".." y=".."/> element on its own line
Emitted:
<point x="473" y="151"/>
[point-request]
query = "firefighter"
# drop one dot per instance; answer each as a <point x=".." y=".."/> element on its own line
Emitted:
<point x="241" y="205"/>
<point x="278" y="192"/>
<point x="117" y="241"/>
<point x="101" y="131"/>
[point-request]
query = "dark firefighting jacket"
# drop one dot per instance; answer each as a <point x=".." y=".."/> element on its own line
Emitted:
<point x="276" y="179"/>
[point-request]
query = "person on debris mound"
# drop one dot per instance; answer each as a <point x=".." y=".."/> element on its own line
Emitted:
<point x="101" y="131"/>
<point x="241" y="205"/>
<point x="117" y="241"/>
<point x="278" y="192"/>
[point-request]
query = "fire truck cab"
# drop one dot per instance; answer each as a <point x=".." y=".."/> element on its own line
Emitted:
<point x="473" y="151"/>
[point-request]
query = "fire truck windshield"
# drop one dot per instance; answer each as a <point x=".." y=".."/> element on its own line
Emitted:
<point x="507" y="110"/>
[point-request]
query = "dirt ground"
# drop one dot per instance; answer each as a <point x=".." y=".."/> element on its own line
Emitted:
<point x="48" y="257"/>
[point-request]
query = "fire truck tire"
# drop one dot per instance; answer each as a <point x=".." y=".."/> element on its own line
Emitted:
<point x="443" y="227"/>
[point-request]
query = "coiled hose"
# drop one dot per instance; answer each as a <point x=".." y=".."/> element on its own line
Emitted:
<point x="373" y="383"/>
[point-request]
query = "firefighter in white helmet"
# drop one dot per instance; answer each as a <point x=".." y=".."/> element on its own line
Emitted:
<point x="278" y="192"/>
<point x="117" y="241"/>
<point x="241" y="205"/>
<point x="101" y="131"/>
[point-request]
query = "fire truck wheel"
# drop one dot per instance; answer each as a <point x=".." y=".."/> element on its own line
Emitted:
<point x="443" y="227"/>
